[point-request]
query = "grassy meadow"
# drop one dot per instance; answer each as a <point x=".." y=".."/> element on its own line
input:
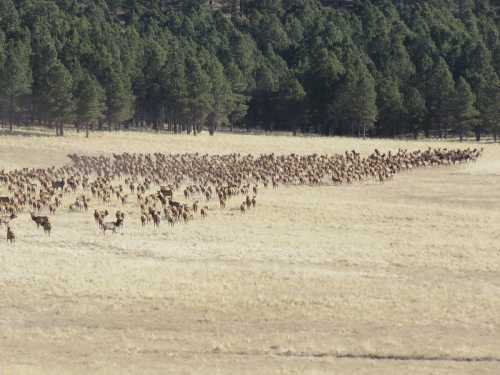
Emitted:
<point x="394" y="278"/>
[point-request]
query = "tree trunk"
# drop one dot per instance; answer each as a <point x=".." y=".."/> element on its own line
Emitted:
<point x="86" y="130"/>
<point x="11" y="113"/>
<point x="61" y="132"/>
<point x="478" y="134"/>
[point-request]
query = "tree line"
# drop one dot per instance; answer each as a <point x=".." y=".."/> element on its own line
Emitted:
<point x="377" y="68"/>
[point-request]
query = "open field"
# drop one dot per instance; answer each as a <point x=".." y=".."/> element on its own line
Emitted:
<point x="394" y="278"/>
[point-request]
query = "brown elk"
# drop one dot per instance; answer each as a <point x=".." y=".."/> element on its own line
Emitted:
<point x="156" y="218"/>
<point x="39" y="220"/>
<point x="7" y="219"/>
<point x="11" y="237"/>
<point x="204" y="212"/>
<point x="47" y="227"/>
<point x="110" y="225"/>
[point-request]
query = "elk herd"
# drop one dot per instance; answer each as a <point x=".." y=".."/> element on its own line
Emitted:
<point x="153" y="180"/>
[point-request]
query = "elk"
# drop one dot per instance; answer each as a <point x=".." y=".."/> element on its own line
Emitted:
<point x="156" y="218"/>
<point x="11" y="237"/>
<point x="7" y="219"/>
<point x="222" y="203"/>
<point x="195" y="174"/>
<point x="58" y="184"/>
<point x="170" y="220"/>
<point x="39" y="220"/>
<point x="204" y="212"/>
<point x="5" y="200"/>
<point x="47" y="227"/>
<point x="110" y="225"/>
<point x="166" y="192"/>
<point x="100" y="215"/>
<point x="120" y="217"/>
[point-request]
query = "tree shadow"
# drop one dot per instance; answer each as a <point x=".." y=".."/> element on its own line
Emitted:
<point x="31" y="133"/>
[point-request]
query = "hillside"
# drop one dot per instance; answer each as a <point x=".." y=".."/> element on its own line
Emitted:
<point x="334" y="67"/>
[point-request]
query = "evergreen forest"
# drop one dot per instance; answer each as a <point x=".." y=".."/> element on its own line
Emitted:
<point x="381" y="68"/>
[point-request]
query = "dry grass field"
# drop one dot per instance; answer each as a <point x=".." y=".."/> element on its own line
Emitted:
<point x="394" y="278"/>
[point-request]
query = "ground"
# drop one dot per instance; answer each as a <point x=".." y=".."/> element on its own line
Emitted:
<point x="394" y="278"/>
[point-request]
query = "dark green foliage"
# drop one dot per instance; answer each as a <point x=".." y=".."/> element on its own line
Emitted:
<point x="90" y="102"/>
<point x="15" y="79"/>
<point x="60" y="98"/>
<point x="119" y="102"/>
<point x="415" y="110"/>
<point x="381" y="67"/>
<point x="355" y="104"/>
<point x="464" y="110"/>
<point x="440" y="92"/>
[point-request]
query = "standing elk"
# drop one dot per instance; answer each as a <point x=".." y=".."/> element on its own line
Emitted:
<point x="11" y="237"/>
<point x="226" y="176"/>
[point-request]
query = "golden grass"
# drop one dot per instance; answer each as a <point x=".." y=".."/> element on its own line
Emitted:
<point x="409" y="268"/>
<point x="41" y="149"/>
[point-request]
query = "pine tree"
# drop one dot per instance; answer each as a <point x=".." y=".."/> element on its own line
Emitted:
<point x="239" y="99"/>
<point x="3" y="47"/>
<point x="464" y="112"/>
<point x="489" y="110"/>
<point x="119" y="101"/>
<point x="44" y="56"/>
<point x="90" y="102"/>
<point x="356" y="102"/>
<point x="415" y="110"/>
<point x="440" y="91"/>
<point x="173" y="82"/>
<point x="59" y="92"/>
<point x="390" y="104"/>
<point x="15" y="77"/>
<point x="222" y="97"/>
<point x="293" y="97"/>
<point x="200" y="101"/>
<point x="9" y="16"/>
<point x="320" y="83"/>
